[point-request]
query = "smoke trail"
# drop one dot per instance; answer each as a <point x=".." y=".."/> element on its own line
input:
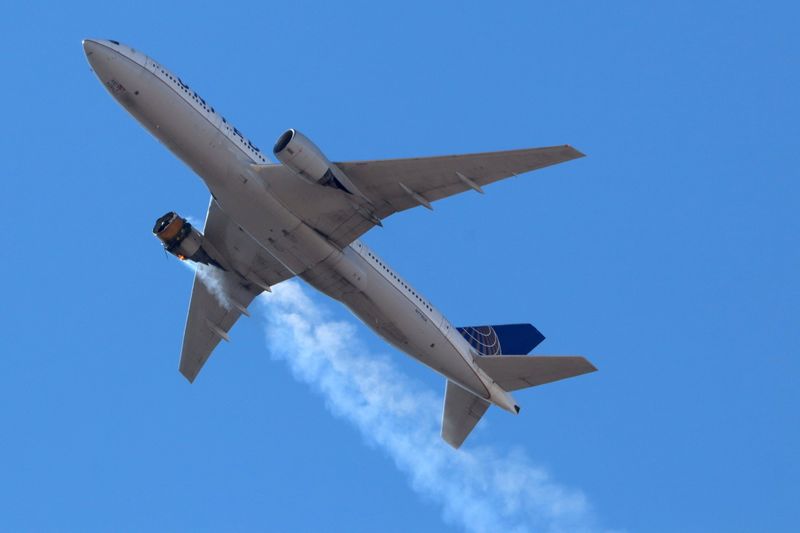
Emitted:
<point x="214" y="279"/>
<point x="480" y="489"/>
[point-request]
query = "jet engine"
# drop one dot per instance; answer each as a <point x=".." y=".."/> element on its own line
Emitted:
<point x="299" y="154"/>
<point x="182" y="240"/>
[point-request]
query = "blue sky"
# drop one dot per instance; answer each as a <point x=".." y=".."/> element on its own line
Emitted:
<point x="668" y="256"/>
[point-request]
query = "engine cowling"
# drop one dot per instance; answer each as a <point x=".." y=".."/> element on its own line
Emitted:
<point x="297" y="152"/>
<point x="182" y="240"/>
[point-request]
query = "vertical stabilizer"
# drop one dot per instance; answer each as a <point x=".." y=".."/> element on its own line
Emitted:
<point x="502" y="339"/>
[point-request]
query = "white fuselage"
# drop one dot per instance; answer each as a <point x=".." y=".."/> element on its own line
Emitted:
<point x="223" y="158"/>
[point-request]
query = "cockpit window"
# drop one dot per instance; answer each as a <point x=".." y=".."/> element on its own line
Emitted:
<point x="115" y="42"/>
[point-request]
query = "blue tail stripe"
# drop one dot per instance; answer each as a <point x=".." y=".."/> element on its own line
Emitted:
<point x="512" y="339"/>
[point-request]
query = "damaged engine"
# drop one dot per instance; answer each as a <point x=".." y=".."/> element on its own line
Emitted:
<point x="182" y="240"/>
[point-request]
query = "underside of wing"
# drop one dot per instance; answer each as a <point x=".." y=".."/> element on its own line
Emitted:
<point x="339" y="215"/>
<point x="220" y="296"/>
<point x="218" y="299"/>
<point x="397" y="184"/>
<point x="246" y="257"/>
<point x="384" y="187"/>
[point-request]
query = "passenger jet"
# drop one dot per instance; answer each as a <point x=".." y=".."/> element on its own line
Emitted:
<point x="268" y="222"/>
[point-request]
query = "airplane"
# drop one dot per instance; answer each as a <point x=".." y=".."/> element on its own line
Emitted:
<point x="303" y="216"/>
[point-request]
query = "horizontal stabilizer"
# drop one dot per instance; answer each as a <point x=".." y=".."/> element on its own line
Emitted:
<point x="502" y="339"/>
<point x="462" y="410"/>
<point x="514" y="372"/>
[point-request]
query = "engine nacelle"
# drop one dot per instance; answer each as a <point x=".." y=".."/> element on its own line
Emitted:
<point x="298" y="153"/>
<point x="182" y="240"/>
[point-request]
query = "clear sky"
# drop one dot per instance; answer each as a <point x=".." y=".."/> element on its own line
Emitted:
<point x="669" y="256"/>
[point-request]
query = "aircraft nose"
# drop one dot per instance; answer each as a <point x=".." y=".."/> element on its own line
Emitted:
<point x="101" y="57"/>
<point x="89" y="46"/>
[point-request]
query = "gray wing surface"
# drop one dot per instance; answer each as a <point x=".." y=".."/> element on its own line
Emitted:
<point x="393" y="185"/>
<point x="211" y="316"/>
<point x="387" y="182"/>
<point x="219" y="297"/>
<point x="462" y="411"/>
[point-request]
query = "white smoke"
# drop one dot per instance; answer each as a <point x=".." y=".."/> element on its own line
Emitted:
<point x="214" y="279"/>
<point x="481" y="489"/>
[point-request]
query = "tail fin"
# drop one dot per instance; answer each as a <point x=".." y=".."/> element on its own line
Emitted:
<point x="502" y="339"/>
<point x="514" y="372"/>
<point x="462" y="410"/>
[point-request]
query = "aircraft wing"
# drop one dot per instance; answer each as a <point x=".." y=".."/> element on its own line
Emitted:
<point x="398" y="184"/>
<point x="219" y="297"/>
<point x="387" y="186"/>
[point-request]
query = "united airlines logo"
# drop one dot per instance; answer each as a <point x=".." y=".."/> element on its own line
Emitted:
<point x="483" y="338"/>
